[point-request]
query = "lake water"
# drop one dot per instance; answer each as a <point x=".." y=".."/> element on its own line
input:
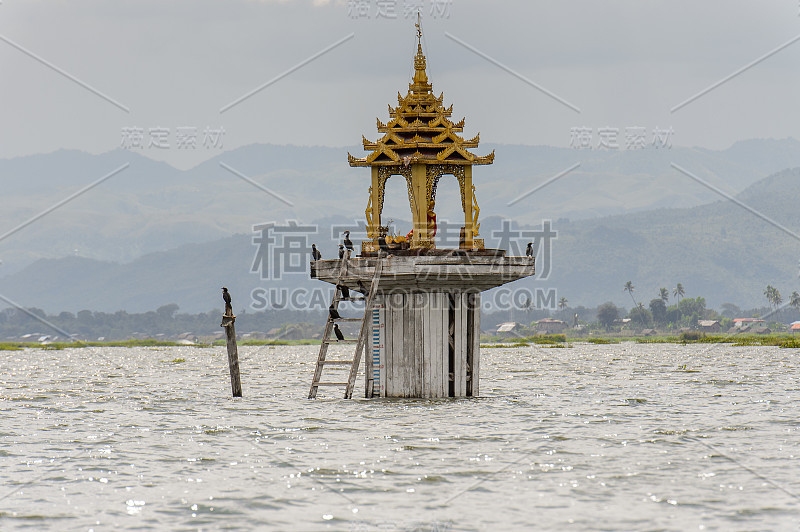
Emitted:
<point x="590" y="437"/>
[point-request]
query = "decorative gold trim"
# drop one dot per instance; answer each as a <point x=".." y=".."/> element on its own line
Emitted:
<point x="475" y="212"/>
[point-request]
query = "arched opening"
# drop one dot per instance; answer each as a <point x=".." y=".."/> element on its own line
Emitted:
<point x="449" y="214"/>
<point x="396" y="208"/>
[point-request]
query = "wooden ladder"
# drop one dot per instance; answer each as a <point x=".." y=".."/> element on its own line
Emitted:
<point x="362" y="336"/>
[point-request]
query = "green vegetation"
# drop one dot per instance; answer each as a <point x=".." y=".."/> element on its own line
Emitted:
<point x="10" y="347"/>
<point x="601" y="341"/>
<point x="606" y="314"/>
<point x="545" y="339"/>
<point x="692" y="336"/>
<point x="753" y="340"/>
<point x="55" y="346"/>
<point x="495" y="346"/>
<point x="14" y="346"/>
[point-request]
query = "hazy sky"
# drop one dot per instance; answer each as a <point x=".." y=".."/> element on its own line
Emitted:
<point x="176" y="63"/>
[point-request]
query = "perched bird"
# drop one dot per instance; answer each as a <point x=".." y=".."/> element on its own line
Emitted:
<point x="529" y="250"/>
<point x="227" y="298"/>
<point x="341" y="251"/>
<point x="315" y="252"/>
<point x="339" y="335"/>
<point x="347" y="242"/>
<point x="382" y="244"/>
<point x="345" y="291"/>
<point x="333" y="313"/>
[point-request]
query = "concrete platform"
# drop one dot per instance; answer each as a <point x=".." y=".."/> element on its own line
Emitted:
<point x="461" y="272"/>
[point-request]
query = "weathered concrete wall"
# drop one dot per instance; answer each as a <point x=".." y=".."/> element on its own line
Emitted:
<point x="425" y="344"/>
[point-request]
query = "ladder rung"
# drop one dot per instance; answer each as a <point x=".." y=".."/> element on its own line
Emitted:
<point x="368" y="298"/>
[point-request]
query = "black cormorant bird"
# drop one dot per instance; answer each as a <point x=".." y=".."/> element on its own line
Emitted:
<point x="347" y="242"/>
<point x="529" y="250"/>
<point x="382" y="244"/>
<point x="341" y="251"/>
<point x="339" y="335"/>
<point x="333" y="313"/>
<point x="315" y="252"/>
<point x="227" y="298"/>
<point x="345" y="291"/>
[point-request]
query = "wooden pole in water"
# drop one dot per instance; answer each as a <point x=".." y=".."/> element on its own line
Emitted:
<point x="228" y="321"/>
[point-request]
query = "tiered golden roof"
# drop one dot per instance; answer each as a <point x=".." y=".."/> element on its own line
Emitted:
<point x="420" y="130"/>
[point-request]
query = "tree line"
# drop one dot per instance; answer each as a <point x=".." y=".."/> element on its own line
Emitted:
<point x="669" y="309"/>
<point x="166" y="320"/>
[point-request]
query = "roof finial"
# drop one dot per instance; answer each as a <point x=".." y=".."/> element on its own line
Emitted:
<point x="419" y="28"/>
<point x="420" y="84"/>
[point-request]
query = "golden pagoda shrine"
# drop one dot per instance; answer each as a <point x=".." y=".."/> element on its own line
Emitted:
<point x="420" y="328"/>
<point x="422" y="144"/>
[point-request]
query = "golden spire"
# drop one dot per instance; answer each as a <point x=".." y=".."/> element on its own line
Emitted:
<point x="420" y="85"/>
<point x="419" y="129"/>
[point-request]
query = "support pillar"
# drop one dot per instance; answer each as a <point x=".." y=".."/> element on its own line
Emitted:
<point x="419" y="202"/>
<point x="469" y="228"/>
<point x="376" y="202"/>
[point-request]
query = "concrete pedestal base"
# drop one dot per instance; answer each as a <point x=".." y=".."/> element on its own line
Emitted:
<point x="425" y="338"/>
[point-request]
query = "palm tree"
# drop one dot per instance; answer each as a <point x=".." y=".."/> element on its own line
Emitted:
<point x="562" y="303"/>
<point x="773" y="297"/>
<point x="679" y="291"/>
<point x="664" y="295"/>
<point x="776" y="298"/>
<point x="794" y="301"/>
<point x="629" y="288"/>
<point x="527" y="305"/>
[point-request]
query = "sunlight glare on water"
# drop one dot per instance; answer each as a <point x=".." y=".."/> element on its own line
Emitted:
<point x="588" y="437"/>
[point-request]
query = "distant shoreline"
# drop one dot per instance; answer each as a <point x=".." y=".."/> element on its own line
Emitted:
<point x="791" y="341"/>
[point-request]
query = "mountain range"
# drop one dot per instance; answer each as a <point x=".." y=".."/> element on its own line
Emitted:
<point x="152" y="235"/>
